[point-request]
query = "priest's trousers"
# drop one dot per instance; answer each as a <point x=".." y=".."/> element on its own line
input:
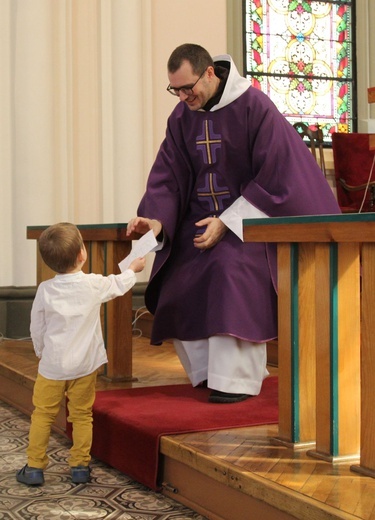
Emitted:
<point x="229" y="364"/>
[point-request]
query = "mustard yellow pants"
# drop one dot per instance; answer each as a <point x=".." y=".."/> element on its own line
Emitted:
<point x="47" y="397"/>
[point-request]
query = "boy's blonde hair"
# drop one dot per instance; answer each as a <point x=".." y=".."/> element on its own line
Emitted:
<point x="60" y="245"/>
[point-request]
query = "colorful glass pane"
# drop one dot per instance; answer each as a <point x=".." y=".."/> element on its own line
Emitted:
<point x="299" y="52"/>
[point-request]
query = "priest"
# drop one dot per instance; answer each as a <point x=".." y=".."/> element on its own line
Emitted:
<point x="228" y="154"/>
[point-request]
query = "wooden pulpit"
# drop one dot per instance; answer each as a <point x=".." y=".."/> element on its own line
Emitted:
<point x="107" y="245"/>
<point x="326" y="331"/>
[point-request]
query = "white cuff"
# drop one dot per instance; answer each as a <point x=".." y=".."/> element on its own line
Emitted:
<point x="239" y="210"/>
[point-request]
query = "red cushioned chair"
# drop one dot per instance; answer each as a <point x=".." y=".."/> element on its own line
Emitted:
<point x="354" y="162"/>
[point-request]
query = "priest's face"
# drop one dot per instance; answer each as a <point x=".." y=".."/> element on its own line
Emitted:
<point x="191" y="88"/>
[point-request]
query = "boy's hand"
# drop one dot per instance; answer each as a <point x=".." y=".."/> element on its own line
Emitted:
<point x="138" y="265"/>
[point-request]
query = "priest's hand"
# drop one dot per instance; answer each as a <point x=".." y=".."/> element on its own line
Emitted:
<point x="142" y="225"/>
<point x="215" y="230"/>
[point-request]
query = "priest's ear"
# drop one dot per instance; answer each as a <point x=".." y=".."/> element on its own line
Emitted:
<point x="210" y="72"/>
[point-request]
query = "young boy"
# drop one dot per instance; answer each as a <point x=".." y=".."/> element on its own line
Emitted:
<point x="67" y="337"/>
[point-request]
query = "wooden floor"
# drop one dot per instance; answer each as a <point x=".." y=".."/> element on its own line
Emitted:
<point x="229" y="474"/>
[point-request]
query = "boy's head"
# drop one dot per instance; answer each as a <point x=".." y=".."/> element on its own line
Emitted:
<point x="60" y="245"/>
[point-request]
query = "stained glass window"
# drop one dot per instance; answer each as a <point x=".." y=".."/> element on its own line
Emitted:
<point x="300" y="53"/>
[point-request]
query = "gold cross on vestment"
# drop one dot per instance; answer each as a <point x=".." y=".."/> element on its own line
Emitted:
<point x="214" y="197"/>
<point x="207" y="142"/>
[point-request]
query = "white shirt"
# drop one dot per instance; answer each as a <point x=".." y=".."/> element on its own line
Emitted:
<point x="65" y="322"/>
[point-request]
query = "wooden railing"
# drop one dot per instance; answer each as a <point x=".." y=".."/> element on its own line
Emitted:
<point x="326" y="333"/>
<point x="107" y="245"/>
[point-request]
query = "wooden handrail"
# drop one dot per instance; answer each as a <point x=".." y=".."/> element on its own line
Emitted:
<point x="326" y="277"/>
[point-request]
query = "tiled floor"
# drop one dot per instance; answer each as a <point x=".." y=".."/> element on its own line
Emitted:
<point x="109" y="495"/>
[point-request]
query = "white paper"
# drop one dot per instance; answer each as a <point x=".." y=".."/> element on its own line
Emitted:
<point x="141" y="248"/>
<point x="237" y="212"/>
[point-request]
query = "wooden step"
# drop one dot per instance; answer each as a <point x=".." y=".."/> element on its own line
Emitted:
<point x="18" y="370"/>
<point x="224" y="475"/>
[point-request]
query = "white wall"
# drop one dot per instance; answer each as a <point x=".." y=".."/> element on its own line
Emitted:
<point x="83" y="105"/>
<point x="83" y="109"/>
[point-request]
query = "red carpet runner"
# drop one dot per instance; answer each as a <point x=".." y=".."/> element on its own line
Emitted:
<point x="129" y="423"/>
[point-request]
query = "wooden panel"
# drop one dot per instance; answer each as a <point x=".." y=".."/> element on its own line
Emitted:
<point x="307" y="355"/>
<point x="296" y="356"/>
<point x="371" y="94"/>
<point x="43" y="272"/>
<point x="284" y="343"/>
<point x="214" y="500"/>
<point x="323" y="340"/>
<point x="367" y="460"/>
<point x="19" y="394"/>
<point x="338" y="351"/>
<point x="349" y="345"/>
<point x="118" y="320"/>
<point x="95" y="260"/>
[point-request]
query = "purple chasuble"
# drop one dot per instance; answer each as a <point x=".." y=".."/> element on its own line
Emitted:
<point x="208" y="160"/>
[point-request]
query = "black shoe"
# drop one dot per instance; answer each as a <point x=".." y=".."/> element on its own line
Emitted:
<point x="80" y="474"/>
<point x="224" y="397"/>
